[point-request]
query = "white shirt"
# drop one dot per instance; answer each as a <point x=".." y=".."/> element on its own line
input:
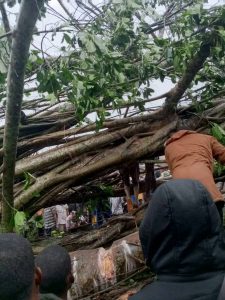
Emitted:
<point x="61" y="211"/>
<point x="116" y="205"/>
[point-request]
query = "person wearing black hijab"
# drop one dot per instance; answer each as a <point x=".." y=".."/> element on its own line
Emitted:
<point x="183" y="243"/>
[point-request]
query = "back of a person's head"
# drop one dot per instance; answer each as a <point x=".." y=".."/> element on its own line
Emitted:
<point x="16" y="267"/>
<point x="185" y="124"/>
<point x="182" y="124"/>
<point x="181" y="232"/>
<point x="55" y="264"/>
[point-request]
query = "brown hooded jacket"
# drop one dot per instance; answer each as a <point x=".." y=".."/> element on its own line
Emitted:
<point x="190" y="156"/>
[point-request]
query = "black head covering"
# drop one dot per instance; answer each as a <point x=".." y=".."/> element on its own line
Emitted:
<point x="181" y="232"/>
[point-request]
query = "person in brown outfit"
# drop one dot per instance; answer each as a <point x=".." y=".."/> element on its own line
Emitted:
<point x="190" y="156"/>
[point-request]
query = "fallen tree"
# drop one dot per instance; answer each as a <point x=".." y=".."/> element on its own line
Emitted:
<point x="61" y="168"/>
<point x="57" y="170"/>
<point x="98" y="263"/>
<point x="110" y="58"/>
<point x="61" y="151"/>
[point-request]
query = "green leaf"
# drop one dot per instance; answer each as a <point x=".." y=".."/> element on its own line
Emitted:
<point x="36" y="194"/>
<point x="218" y="132"/>
<point x="20" y="218"/>
<point x="51" y="97"/>
<point x="19" y="221"/>
<point x="176" y="62"/>
<point x="90" y="46"/>
<point x="161" y="76"/>
<point x="169" y="54"/>
<point x="27" y="180"/>
<point x="121" y="77"/>
<point x="100" y="44"/>
<point x="67" y="38"/>
<point x="133" y="4"/>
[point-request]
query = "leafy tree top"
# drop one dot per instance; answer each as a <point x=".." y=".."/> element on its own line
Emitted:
<point x="111" y="53"/>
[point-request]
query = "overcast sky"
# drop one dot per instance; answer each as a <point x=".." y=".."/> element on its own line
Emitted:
<point x="53" y="46"/>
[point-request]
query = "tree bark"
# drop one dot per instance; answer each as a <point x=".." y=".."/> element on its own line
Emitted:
<point x="192" y="69"/>
<point x="97" y="269"/>
<point x="68" y="152"/>
<point x="129" y="151"/>
<point x="29" y="13"/>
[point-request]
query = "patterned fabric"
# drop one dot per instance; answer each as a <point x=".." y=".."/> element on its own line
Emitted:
<point x="49" y="217"/>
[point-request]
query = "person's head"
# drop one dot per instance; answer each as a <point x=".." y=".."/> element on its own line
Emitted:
<point x="182" y="124"/>
<point x="19" y="279"/>
<point x="181" y="232"/>
<point x="55" y="264"/>
<point x="185" y="124"/>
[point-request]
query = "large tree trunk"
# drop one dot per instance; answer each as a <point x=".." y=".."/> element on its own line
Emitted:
<point x="97" y="269"/>
<point x="98" y="261"/>
<point x="29" y="13"/>
<point x="61" y="154"/>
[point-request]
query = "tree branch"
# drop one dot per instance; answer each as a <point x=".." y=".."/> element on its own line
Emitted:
<point x="69" y="14"/>
<point x="5" y="21"/>
<point x="192" y="69"/>
<point x="126" y="152"/>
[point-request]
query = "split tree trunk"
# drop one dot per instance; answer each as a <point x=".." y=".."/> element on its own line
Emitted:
<point x="97" y="269"/>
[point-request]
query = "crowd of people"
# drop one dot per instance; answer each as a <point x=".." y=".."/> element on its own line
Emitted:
<point x="182" y="239"/>
<point x="65" y="218"/>
<point x="61" y="218"/>
<point x="182" y="236"/>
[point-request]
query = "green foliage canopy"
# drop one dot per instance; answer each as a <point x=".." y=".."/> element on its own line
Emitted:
<point x="113" y="59"/>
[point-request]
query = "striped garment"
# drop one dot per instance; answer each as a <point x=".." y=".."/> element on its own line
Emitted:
<point x="49" y="217"/>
